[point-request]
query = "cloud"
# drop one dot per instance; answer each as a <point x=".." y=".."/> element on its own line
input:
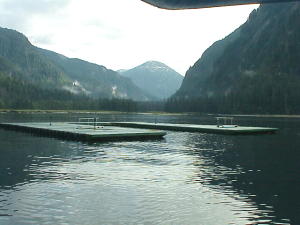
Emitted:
<point x="18" y="13"/>
<point x="42" y="39"/>
<point x="33" y="6"/>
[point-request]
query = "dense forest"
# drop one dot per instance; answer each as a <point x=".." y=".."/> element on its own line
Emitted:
<point x="281" y="96"/>
<point x="19" y="94"/>
<point x="263" y="94"/>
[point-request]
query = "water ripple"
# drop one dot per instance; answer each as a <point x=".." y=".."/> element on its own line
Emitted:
<point x="187" y="178"/>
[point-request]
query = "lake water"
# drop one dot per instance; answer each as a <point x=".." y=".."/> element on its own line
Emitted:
<point x="186" y="178"/>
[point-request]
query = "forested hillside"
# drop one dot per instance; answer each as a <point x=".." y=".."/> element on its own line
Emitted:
<point x="20" y="94"/>
<point x="255" y="69"/>
<point x="48" y="70"/>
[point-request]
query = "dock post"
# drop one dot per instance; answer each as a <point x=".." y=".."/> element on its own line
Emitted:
<point x="218" y="121"/>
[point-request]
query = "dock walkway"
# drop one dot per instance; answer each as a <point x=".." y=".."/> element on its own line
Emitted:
<point x="197" y="128"/>
<point x="84" y="132"/>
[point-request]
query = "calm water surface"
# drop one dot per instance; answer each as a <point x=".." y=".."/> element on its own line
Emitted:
<point x="186" y="178"/>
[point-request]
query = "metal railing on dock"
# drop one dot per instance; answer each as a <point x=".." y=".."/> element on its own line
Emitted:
<point x="225" y="121"/>
<point x="89" y="121"/>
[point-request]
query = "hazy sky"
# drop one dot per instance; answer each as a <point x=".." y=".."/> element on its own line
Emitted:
<point x="121" y="34"/>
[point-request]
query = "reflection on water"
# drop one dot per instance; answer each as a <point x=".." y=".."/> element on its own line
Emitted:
<point x="188" y="178"/>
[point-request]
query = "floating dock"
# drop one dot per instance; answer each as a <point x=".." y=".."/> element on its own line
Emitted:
<point x="225" y="129"/>
<point x="84" y="132"/>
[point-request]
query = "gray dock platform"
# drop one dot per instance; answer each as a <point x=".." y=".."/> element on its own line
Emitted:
<point x="198" y="128"/>
<point x="84" y="132"/>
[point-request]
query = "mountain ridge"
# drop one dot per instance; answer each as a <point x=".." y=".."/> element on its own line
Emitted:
<point x="156" y="78"/>
<point x="255" y="69"/>
<point x="48" y="69"/>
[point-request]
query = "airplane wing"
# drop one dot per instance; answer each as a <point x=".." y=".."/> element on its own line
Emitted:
<point x="193" y="4"/>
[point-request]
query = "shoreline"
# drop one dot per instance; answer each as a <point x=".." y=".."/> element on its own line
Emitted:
<point x="266" y="115"/>
<point x="35" y="111"/>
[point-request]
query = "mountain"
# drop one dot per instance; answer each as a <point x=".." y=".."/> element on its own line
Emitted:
<point x="18" y="57"/>
<point x="254" y="69"/>
<point x="50" y="70"/>
<point x="155" y="78"/>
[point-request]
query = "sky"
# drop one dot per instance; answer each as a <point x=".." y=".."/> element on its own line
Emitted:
<point x="121" y="34"/>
